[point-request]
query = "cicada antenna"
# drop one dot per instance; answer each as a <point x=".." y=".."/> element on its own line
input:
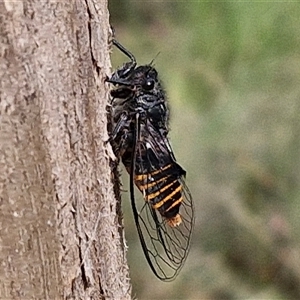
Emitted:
<point x="125" y="51"/>
<point x="155" y="57"/>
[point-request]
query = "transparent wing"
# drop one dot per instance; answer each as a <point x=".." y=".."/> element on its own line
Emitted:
<point x="161" y="183"/>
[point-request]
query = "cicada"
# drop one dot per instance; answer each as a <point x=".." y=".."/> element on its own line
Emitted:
<point x="139" y="118"/>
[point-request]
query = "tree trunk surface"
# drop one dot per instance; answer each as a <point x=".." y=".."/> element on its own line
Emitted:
<point x="60" y="236"/>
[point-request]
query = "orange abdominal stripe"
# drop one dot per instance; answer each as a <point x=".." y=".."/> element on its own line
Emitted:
<point x="145" y="177"/>
<point x="154" y="195"/>
<point x="168" y="197"/>
<point x="149" y="185"/>
<point x="177" y="202"/>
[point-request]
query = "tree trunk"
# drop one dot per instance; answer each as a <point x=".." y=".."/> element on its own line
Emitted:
<point x="60" y="233"/>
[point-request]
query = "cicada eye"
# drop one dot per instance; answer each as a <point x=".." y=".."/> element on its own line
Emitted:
<point x="149" y="84"/>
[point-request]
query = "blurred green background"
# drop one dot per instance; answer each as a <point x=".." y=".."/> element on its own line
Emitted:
<point x="232" y="74"/>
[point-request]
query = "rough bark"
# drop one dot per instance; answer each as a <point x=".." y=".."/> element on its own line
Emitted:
<point x="60" y="233"/>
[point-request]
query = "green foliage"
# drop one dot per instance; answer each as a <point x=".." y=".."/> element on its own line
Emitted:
<point x="232" y="73"/>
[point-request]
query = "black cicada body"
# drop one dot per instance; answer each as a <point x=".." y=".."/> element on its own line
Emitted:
<point x="139" y="120"/>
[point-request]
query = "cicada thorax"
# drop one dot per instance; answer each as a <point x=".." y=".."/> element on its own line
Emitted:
<point x="136" y="93"/>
